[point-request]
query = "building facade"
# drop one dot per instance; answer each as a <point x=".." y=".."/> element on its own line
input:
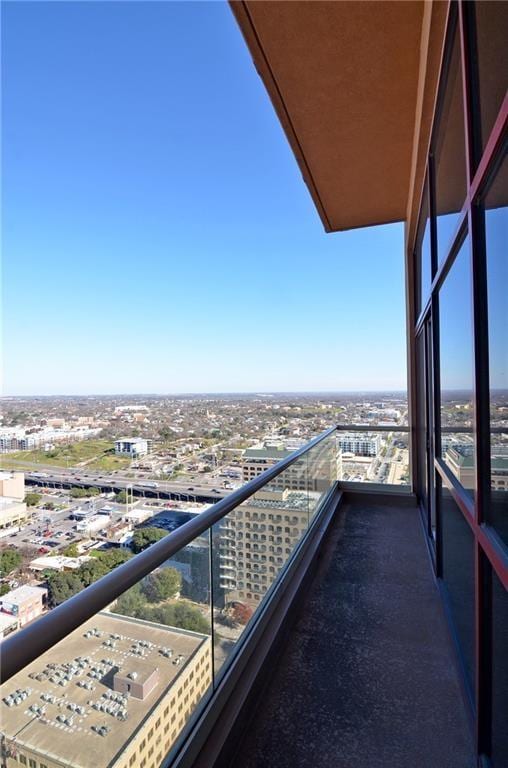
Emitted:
<point x="132" y="447"/>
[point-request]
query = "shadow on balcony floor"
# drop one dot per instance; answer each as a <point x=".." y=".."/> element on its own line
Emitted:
<point x="367" y="677"/>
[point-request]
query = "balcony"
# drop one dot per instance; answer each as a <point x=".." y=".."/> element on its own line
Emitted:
<point x="344" y="640"/>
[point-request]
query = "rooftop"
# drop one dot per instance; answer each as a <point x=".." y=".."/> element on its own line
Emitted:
<point x="56" y="686"/>
<point x="23" y="593"/>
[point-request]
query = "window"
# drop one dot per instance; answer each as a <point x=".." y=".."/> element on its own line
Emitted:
<point x="458" y="574"/>
<point x="499" y="673"/>
<point x="496" y="235"/>
<point x="450" y="162"/>
<point x="456" y="370"/>
<point x="22" y="759"/>
<point x="423" y="258"/>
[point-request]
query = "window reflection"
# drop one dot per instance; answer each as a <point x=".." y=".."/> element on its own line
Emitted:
<point x="456" y="370"/>
<point x="458" y="574"/>
<point x="496" y="231"/>
<point x="499" y="673"/>
<point x="423" y="258"/>
<point x="492" y="36"/>
<point x="450" y="157"/>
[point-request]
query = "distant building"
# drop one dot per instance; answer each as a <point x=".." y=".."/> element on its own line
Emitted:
<point x="360" y="443"/>
<point x="326" y="465"/>
<point x="461" y="460"/>
<point x="92" y="524"/>
<point x="8" y="624"/>
<point x="12" y="484"/>
<point x="131" y="446"/>
<point x="25" y="603"/>
<point x="58" y="563"/>
<point x="256" y="539"/>
<point x="13" y="511"/>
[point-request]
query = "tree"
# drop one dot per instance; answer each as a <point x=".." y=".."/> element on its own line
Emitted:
<point x="62" y="585"/>
<point x="121" y="497"/>
<point x="50" y="506"/>
<point x="79" y="493"/>
<point x="32" y="499"/>
<point x="162" y="585"/>
<point x="111" y="557"/>
<point x="241" y="613"/>
<point x="71" y="551"/>
<point x="145" y="537"/>
<point x="131" y="603"/>
<point x="181" y="614"/>
<point x="10" y="559"/>
<point x="91" y="571"/>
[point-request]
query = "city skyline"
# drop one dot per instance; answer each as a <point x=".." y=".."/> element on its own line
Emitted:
<point x="154" y="203"/>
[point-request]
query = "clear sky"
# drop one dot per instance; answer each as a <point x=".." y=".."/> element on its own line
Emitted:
<point x="157" y="234"/>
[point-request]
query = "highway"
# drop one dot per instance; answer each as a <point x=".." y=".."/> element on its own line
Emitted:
<point x="108" y="483"/>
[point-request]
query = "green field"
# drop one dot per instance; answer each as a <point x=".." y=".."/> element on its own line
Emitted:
<point x="98" y="454"/>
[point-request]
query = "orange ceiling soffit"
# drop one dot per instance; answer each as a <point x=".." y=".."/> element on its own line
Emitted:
<point x="343" y="79"/>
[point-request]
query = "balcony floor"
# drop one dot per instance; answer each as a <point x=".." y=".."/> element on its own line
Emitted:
<point x="367" y="678"/>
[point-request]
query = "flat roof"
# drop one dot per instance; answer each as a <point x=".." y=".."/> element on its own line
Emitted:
<point x="20" y="594"/>
<point x="75" y="661"/>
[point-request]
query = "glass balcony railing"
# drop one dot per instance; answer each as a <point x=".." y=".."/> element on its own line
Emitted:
<point x="116" y="675"/>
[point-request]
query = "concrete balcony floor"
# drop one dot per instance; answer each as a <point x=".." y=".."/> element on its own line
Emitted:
<point x="367" y="678"/>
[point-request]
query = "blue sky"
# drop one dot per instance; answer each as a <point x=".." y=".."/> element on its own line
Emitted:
<point x="157" y="234"/>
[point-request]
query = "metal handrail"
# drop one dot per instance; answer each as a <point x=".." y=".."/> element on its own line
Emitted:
<point x="27" y="645"/>
<point x="371" y="428"/>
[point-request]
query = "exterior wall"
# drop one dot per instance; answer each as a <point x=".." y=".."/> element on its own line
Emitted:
<point x="257" y="543"/>
<point x="12" y="514"/>
<point x="12" y="485"/>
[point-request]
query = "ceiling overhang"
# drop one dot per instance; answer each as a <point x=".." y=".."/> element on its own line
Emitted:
<point x="343" y="79"/>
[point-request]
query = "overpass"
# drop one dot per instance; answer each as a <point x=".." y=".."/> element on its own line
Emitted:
<point x="169" y="491"/>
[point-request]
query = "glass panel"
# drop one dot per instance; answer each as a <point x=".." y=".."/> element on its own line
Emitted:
<point x="458" y="573"/>
<point x="456" y="370"/>
<point x="374" y="457"/>
<point x="450" y="156"/>
<point x="422" y="420"/>
<point x="126" y="682"/>
<point x="499" y="674"/>
<point x="496" y="231"/>
<point x="251" y="545"/>
<point x="492" y="36"/>
<point x="324" y="469"/>
<point x="423" y="257"/>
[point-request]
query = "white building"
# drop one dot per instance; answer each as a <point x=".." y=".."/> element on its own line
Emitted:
<point x="131" y="446"/>
<point x="360" y="443"/>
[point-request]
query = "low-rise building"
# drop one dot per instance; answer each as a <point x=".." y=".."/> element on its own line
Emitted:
<point x="8" y="625"/>
<point x="12" y="484"/>
<point x="131" y="446"/>
<point x="25" y="603"/>
<point x="116" y="692"/>
<point x="57" y="563"/>
<point x="13" y="513"/>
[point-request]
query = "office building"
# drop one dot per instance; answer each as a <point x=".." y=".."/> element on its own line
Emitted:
<point x="118" y="695"/>
<point x="132" y="447"/>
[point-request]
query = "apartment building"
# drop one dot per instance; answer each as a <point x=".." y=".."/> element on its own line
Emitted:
<point x="360" y="444"/>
